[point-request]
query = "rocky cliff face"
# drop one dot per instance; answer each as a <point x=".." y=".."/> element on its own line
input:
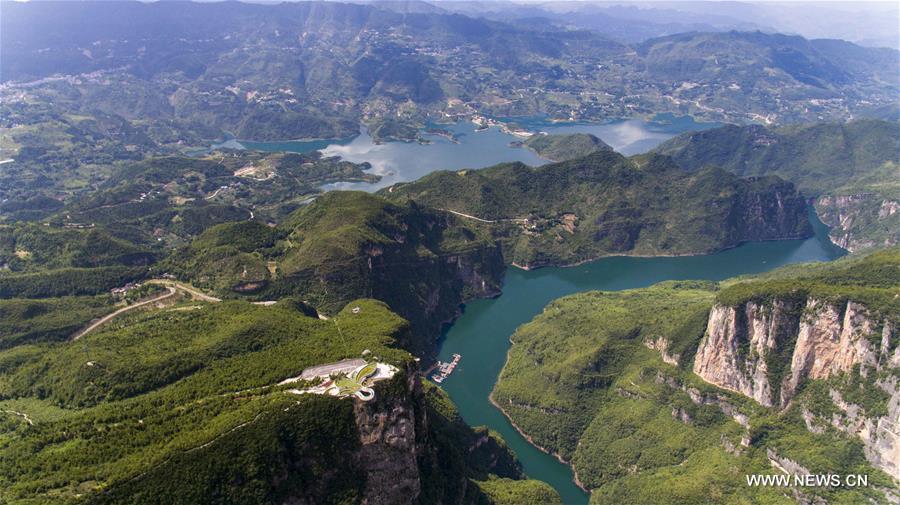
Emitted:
<point x="389" y="444"/>
<point x="733" y="353"/>
<point x="830" y="340"/>
<point x="429" y="291"/>
<point x="767" y="351"/>
<point x="774" y="209"/>
<point x="860" y="221"/>
<point x="410" y="452"/>
<point x="881" y="440"/>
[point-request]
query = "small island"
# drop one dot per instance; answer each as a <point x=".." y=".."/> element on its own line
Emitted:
<point x="564" y="147"/>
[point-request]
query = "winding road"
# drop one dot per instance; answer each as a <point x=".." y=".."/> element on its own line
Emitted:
<point x="105" y="319"/>
<point x="173" y="288"/>
<point x="184" y="287"/>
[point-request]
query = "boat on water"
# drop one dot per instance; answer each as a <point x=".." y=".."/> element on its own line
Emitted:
<point x="445" y="369"/>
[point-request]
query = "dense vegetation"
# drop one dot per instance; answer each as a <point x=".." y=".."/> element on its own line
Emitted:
<point x="587" y="380"/>
<point x="106" y="118"/>
<point x="171" y="199"/>
<point x="31" y="247"/>
<point x="565" y="147"/>
<point x="315" y="69"/>
<point x="180" y="406"/>
<point x="607" y="204"/>
<point x="851" y="168"/>
<point x="347" y="245"/>
<point x="49" y="319"/>
<point x="319" y="69"/>
<point x="152" y="393"/>
<point x="871" y="279"/>
<point x="818" y="159"/>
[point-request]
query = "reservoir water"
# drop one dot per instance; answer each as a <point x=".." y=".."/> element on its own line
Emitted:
<point x="407" y="161"/>
<point x="481" y="334"/>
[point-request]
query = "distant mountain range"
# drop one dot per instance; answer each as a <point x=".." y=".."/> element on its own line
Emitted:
<point x="867" y="23"/>
<point x="298" y="70"/>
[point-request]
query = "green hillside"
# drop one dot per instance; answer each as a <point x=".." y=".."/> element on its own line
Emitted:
<point x="818" y="159"/>
<point x="853" y="169"/>
<point x="605" y="380"/>
<point x="347" y="245"/>
<point x="565" y="147"/>
<point x="182" y="405"/>
<point x="603" y="204"/>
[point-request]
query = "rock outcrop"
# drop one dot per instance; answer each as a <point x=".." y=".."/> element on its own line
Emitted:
<point x="661" y="344"/>
<point x="389" y="447"/>
<point x="832" y="340"/>
<point x="881" y="435"/>
<point x="733" y="353"/>
<point x="860" y="221"/>
<point x="768" y="350"/>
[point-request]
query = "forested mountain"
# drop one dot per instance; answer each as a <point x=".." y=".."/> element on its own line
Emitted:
<point x="184" y="319"/>
<point x="89" y="87"/>
<point x="818" y="158"/>
<point x="672" y="393"/>
<point x="197" y="413"/>
<point x="604" y="203"/>
<point x="347" y="245"/>
<point x="325" y="66"/>
<point x="852" y="169"/>
<point x="565" y="147"/>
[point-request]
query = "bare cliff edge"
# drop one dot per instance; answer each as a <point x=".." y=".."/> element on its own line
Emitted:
<point x="769" y="351"/>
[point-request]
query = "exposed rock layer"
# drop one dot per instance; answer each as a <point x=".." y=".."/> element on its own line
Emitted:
<point x="861" y="221"/>
<point x="766" y="351"/>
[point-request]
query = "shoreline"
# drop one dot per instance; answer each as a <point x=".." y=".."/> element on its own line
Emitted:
<point x="575" y="479"/>
<point x="529" y="268"/>
<point x="526" y="436"/>
<point x="531" y="441"/>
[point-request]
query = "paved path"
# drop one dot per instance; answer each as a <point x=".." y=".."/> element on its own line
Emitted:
<point x="20" y="414"/>
<point x="172" y="286"/>
<point x="514" y="220"/>
<point x="105" y="319"/>
<point x="184" y="287"/>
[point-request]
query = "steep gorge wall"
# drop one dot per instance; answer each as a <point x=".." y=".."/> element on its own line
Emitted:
<point x="426" y="290"/>
<point x="429" y="291"/>
<point x="860" y="221"/>
<point x="389" y="433"/>
<point x="768" y="350"/>
<point x="772" y="210"/>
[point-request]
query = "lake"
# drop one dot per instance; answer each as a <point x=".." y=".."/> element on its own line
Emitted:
<point x="481" y="334"/>
<point x="407" y="161"/>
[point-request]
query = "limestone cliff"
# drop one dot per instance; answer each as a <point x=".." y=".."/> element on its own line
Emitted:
<point x="861" y="221"/>
<point x="414" y="448"/>
<point x="388" y="449"/>
<point x="830" y="340"/>
<point x="733" y="353"/>
<point x="769" y="350"/>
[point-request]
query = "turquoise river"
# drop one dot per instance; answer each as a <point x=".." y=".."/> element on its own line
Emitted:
<point x="481" y="334"/>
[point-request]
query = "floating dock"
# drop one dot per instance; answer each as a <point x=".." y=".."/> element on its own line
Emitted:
<point x="445" y="369"/>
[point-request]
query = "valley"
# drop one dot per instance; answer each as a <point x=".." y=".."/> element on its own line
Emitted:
<point x="482" y="332"/>
<point x="448" y="253"/>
